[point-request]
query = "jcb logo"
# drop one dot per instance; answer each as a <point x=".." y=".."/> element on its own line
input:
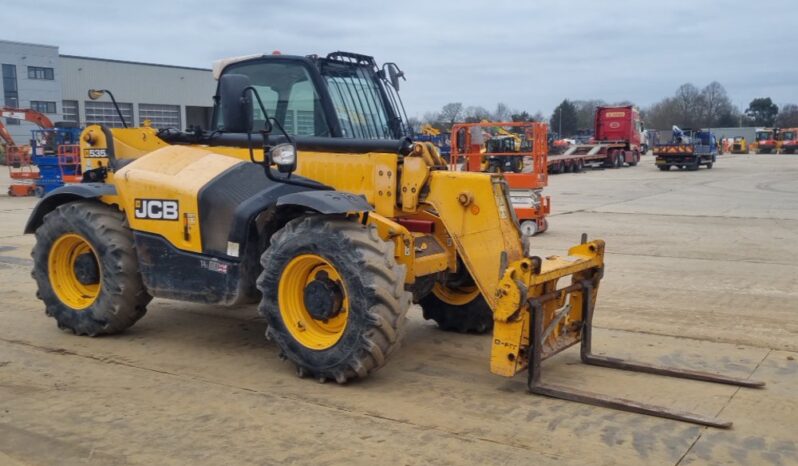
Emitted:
<point x="157" y="209"/>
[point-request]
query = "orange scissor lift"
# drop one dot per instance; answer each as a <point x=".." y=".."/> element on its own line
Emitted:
<point x="522" y="162"/>
<point x="21" y="171"/>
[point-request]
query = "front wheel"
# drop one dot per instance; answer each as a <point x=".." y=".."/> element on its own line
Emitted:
<point x="333" y="297"/>
<point x="459" y="309"/>
<point x="84" y="263"/>
<point x="664" y="167"/>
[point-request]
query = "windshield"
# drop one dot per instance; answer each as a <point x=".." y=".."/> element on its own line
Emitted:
<point x="357" y="100"/>
<point x="288" y="94"/>
<point x="762" y="135"/>
<point x="788" y="135"/>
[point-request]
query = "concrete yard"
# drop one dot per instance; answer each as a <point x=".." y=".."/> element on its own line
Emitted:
<point x="700" y="274"/>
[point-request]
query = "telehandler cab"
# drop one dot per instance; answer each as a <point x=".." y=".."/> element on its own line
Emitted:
<point x="305" y="196"/>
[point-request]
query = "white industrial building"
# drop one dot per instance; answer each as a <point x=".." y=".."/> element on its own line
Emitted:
<point x="38" y="77"/>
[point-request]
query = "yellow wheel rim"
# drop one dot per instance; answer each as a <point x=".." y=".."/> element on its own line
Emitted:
<point x="61" y="270"/>
<point x="310" y="332"/>
<point x="455" y="296"/>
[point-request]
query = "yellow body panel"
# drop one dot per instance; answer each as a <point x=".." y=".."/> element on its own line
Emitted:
<point x="474" y="209"/>
<point x="173" y="173"/>
<point x="128" y="143"/>
<point x="372" y="175"/>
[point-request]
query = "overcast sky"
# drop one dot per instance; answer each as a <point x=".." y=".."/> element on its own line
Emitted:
<point x="528" y="54"/>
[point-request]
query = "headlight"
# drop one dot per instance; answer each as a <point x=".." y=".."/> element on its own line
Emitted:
<point x="284" y="156"/>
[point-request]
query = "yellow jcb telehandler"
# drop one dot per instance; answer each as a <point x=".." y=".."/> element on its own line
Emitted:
<point x="305" y="197"/>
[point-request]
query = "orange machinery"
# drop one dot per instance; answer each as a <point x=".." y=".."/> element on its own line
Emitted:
<point x="789" y="140"/>
<point x="519" y="155"/>
<point x="18" y="158"/>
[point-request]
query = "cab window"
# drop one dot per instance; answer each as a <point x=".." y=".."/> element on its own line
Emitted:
<point x="288" y="94"/>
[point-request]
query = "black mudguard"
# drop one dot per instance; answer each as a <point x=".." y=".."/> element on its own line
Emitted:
<point x="326" y="202"/>
<point x="64" y="194"/>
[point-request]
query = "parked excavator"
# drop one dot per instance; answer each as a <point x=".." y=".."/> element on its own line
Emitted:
<point x="307" y="198"/>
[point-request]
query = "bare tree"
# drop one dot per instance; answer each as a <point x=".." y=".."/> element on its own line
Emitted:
<point x="476" y="114"/>
<point x="716" y="104"/>
<point x="586" y="112"/>
<point x="502" y="112"/>
<point x="688" y="104"/>
<point x="788" y="116"/>
<point x="414" y="123"/>
<point x="538" y="116"/>
<point x="662" y="115"/>
<point x="452" y="112"/>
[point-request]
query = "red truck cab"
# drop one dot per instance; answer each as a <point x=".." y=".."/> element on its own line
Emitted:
<point x="621" y="124"/>
<point x="789" y="140"/>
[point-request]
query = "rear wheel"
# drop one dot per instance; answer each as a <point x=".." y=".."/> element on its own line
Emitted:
<point x="635" y="159"/>
<point x="664" y="167"/>
<point x="84" y="263"/>
<point x="579" y="165"/>
<point x="709" y="165"/>
<point x="459" y="309"/>
<point x="529" y="227"/>
<point x="333" y="296"/>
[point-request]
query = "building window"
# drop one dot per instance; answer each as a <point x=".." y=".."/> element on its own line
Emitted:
<point x="104" y="113"/>
<point x="38" y="72"/>
<point x="160" y="116"/>
<point x="10" y="94"/>
<point x="69" y="109"/>
<point x="42" y="107"/>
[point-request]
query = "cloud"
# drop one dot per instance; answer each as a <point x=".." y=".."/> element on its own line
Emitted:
<point x="530" y="55"/>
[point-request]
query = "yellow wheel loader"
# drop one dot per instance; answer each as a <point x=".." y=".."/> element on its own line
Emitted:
<point x="305" y="197"/>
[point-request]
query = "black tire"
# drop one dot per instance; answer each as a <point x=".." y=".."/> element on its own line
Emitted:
<point x="473" y="317"/>
<point x="613" y="160"/>
<point x="579" y="165"/>
<point x="664" y="167"/>
<point x="635" y="159"/>
<point x="709" y="166"/>
<point x="121" y="299"/>
<point x="374" y="286"/>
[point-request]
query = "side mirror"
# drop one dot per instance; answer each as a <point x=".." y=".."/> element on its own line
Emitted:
<point x="394" y="73"/>
<point x="236" y="106"/>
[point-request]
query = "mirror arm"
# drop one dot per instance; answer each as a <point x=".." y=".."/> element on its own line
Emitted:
<point x="267" y="162"/>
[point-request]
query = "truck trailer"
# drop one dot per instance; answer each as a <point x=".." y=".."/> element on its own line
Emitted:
<point x="616" y="142"/>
